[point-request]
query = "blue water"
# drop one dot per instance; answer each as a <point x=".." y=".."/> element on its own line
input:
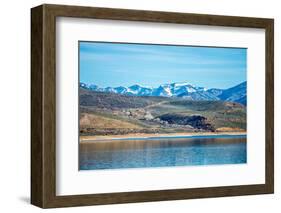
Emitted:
<point x="163" y="152"/>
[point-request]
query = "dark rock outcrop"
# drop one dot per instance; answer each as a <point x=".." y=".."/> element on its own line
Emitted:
<point x="196" y="121"/>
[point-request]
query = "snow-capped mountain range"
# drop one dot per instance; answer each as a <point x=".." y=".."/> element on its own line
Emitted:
<point x="185" y="90"/>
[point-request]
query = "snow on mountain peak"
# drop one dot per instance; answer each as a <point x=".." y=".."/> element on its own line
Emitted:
<point x="180" y="84"/>
<point x="177" y="89"/>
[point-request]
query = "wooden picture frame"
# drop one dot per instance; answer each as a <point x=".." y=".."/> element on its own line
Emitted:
<point x="43" y="105"/>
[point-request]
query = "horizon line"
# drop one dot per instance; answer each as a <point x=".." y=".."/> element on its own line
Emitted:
<point x="188" y="83"/>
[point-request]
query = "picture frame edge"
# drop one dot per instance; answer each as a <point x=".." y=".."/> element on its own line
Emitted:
<point x="43" y="104"/>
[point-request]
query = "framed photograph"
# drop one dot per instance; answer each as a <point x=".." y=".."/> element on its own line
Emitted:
<point x="137" y="106"/>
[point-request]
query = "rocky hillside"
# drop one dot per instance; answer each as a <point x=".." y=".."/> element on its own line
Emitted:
<point x="104" y="113"/>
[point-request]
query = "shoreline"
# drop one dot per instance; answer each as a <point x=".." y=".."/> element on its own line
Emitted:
<point x="139" y="136"/>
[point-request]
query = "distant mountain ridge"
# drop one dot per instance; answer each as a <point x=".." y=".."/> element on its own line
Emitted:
<point x="184" y="90"/>
<point x="237" y="93"/>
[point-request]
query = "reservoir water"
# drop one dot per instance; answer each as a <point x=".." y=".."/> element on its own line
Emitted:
<point x="162" y="152"/>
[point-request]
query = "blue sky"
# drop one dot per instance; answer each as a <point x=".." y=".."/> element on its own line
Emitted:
<point x="122" y="64"/>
